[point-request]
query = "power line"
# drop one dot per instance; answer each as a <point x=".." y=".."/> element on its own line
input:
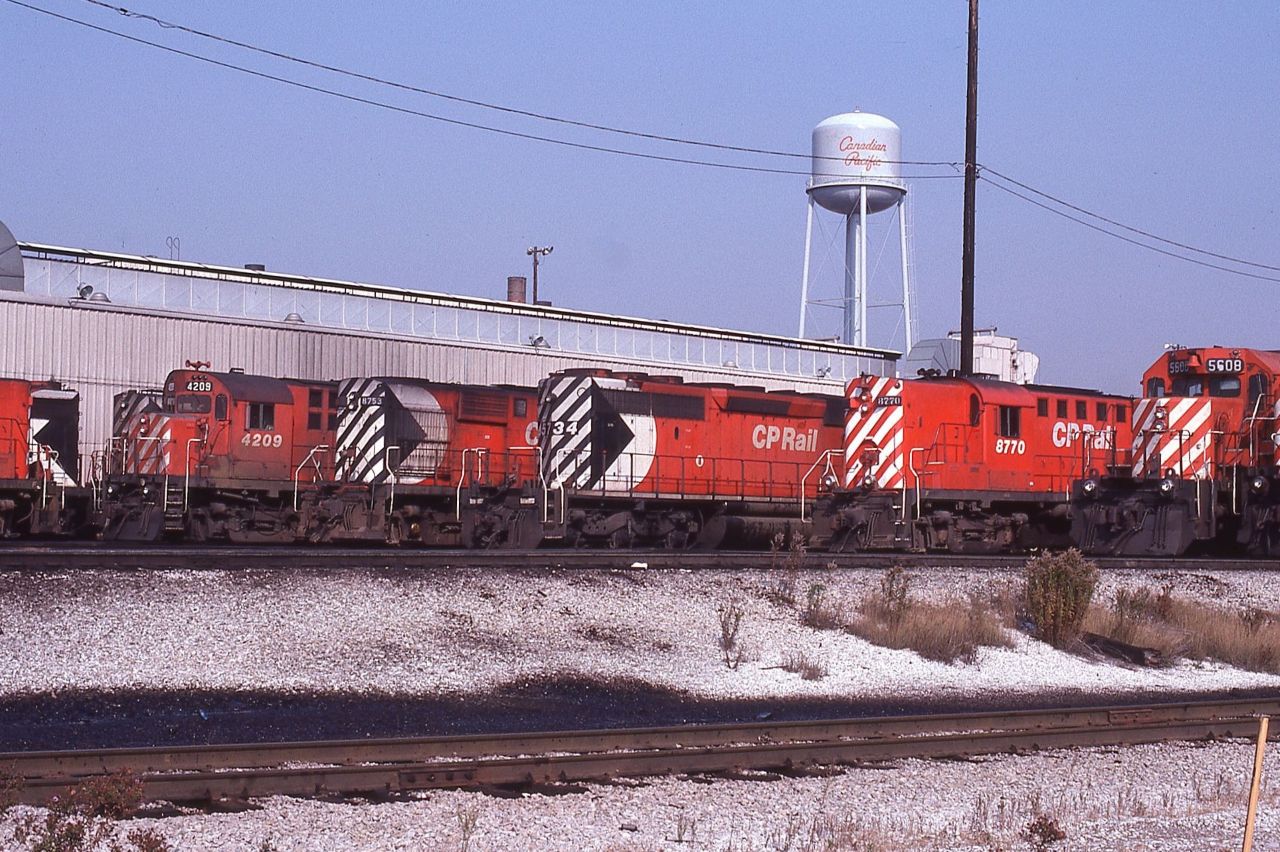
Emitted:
<point x="1129" y="228"/>
<point x="165" y="24"/>
<point x="1122" y="237"/>
<point x="583" y="146"/>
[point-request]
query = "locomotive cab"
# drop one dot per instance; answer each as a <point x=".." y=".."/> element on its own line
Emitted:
<point x="219" y="456"/>
<point x="963" y="464"/>
<point x="1201" y="470"/>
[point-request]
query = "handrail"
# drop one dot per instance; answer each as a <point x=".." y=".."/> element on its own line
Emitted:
<point x="825" y="456"/>
<point x="480" y="453"/>
<point x="186" y="477"/>
<point x="297" y="473"/>
<point x="391" y="474"/>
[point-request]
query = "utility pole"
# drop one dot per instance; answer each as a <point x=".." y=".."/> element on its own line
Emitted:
<point x="970" y="190"/>
<point x="537" y="252"/>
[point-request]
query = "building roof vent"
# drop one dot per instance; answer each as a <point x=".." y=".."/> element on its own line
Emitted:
<point x="294" y="317"/>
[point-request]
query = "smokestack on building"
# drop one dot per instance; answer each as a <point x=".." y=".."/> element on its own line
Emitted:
<point x="516" y="288"/>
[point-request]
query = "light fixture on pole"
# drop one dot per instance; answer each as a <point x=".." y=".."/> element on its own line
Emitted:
<point x="537" y="252"/>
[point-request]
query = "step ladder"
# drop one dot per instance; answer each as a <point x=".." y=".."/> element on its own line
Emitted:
<point x="175" y="510"/>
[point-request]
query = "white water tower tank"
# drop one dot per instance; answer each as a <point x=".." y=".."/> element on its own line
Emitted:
<point x="855" y="150"/>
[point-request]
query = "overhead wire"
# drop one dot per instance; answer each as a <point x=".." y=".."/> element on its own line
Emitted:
<point x="983" y="169"/>
<point x="1129" y="228"/>
<point x="435" y="93"/>
<point x="582" y="146"/>
<point x="1122" y="237"/>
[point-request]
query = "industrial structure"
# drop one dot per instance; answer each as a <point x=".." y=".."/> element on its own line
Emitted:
<point x="855" y="173"/>
<point x="106" y="322"/>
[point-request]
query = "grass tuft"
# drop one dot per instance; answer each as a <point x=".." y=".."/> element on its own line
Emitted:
<point x="947" y="632"/>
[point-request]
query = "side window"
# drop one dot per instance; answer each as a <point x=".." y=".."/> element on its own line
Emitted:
<point x="1010" y="421"/>
<point x="1042" y="407"/>
<point x="975" y="410"/>
<point x="1121" y="413"/>
<point x="1062" y="408"/>
<point x="1082" y="410"/>
<point x="333" y="410"/>
<point x="315" y="419"/>
<point x="1155" y="387"/>
<point x="260" y="415"/>
<point x="220" y="407"/>
<point x="1102" y="412"/>
<point x="520" y="407"/>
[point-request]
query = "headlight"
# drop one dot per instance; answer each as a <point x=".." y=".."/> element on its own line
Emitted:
<point x="111" y="489"/>
<point x="829" y="481"/>
<point x="1259" y="485"/>
<point x="1089" y="487"/>
<point x="146" y="491"/>
<point x="1166" y="486"/>
<point x="869" y="481"/>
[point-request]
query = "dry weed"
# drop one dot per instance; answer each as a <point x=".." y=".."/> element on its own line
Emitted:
<point x="947" y="632"/>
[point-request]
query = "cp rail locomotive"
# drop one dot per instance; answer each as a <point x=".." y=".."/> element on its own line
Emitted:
<point x="633" y="460"/>
<point x="39" y="459"/>
<point x="255" y="459"/>
<point x="1200" y="474"/>
<point x="962" y="464"/>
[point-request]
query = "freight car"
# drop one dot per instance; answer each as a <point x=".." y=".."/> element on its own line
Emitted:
<point x="632" y="460"/>
<point x="226" y="456"/>
<point x="967" y="465"/>
<point x="411" y="452"/>
<point x="1200" y="474"/>
<point x="39" y="459"/>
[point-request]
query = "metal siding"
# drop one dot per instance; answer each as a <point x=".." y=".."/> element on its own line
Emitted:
<point x="101" y="351"/>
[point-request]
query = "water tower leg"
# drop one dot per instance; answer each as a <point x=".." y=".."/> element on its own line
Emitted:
<point x="862" y="267"/>
<point x="906" y="289"/>
<point x="804" y="278"/>
<point x="851" y="291"/>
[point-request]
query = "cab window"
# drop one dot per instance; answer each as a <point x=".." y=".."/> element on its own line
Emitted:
<point x="975" y="410"/>
<point x="1042" y="407"/>
<point x="1082" y="410"/>
<point x="1155" y="387"/>
<point x="1228" y="386"/>
<point x="1062" y="408"/>
<point x="220" y="407"/>
<point x="1101" y="412"/>
<point x="1010" y="421"/>
<point x="193" y="403"/>
<point x="1120" y="413"/>
<point x="1188" y="386"/>
<point x="260" y="415"/>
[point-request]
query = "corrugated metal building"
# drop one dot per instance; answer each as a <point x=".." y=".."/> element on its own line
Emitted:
<point x="103" y="323"/>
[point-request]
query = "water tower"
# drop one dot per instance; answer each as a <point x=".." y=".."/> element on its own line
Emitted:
<point x="856" y="159"/>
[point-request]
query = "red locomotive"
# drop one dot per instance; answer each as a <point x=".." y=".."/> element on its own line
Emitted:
<point x="962" y="464"/>
<point x="411" y="453"/>
<point x="631" y="460"/>
<point x="1201" y="471"/>
<point x="226" y="457"/>
<point x="39" y="459"/>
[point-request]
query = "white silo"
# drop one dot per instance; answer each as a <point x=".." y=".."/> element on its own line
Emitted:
<point x="856" y="173"/>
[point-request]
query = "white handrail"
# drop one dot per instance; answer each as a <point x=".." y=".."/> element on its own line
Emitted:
<point x="480" y="453"/>
<point x="824" y="457"/>
<point x="297" y="473"/>
<point x="186" y="477"/>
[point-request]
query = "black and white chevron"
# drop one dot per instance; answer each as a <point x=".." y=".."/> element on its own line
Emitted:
<point x="130" y="403"/>
<point x="361" y="449"/>
<point x="582" y="433"/>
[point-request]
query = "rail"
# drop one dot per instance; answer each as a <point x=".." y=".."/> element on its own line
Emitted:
<point x="297" y="472"/>
<point x="823" y="460"/>
<point x="195" y="773"/>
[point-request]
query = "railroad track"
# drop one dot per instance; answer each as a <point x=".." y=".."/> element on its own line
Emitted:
<point x="395" y="766"/>
<point x="59" y="555"/>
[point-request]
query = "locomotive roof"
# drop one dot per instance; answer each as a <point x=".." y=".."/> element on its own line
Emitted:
<point x="996" y="386"/>
<point x="247" y="388"/>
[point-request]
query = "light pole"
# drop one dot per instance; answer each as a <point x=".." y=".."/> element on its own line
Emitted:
<point x="537" y="252"/>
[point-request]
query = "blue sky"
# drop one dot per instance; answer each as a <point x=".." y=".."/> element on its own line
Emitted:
<point x="1162" y="115"/>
